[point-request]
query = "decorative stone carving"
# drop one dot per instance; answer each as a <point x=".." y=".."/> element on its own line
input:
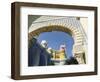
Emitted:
<point x="66" y="24"/>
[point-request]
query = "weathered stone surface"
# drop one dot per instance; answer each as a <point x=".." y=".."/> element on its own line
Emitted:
<point x="66" y="24"/>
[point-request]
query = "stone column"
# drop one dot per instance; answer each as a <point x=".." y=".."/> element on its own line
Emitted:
<point x="79" y="53"/>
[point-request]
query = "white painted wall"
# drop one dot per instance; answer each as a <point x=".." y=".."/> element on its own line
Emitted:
<point x="5" y="40"/>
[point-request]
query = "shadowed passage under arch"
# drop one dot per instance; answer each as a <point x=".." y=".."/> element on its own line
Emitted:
<point x="54" y="40"/>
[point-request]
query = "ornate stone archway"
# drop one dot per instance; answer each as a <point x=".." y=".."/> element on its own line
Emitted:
<point x="70" y="25"/>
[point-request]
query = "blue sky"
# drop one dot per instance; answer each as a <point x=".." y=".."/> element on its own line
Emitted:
<point x="56" y="38"/>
